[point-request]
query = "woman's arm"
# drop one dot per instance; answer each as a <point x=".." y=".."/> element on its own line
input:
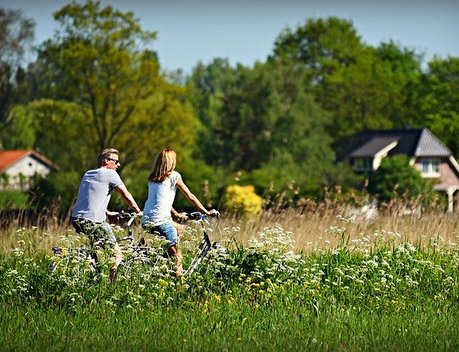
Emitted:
<point x="193" y="199"/>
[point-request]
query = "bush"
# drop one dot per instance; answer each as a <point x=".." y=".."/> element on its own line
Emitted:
<point x="13" y="199"/>
<point x="242" y="200"/>
<point x="396" y="179"/>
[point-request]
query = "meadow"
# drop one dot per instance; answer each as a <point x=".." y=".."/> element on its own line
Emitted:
<point x="295" y="280"/>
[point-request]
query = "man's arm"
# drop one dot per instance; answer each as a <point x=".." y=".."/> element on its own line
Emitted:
<point x="128" y="198"/>
<point x="178" y="216"/>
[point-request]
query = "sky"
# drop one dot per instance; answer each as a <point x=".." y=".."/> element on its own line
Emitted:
<point x="244" y="31"/>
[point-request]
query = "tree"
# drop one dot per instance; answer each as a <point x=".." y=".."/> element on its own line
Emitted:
<point x="264" y="123"/>
<point x="403" y="67"/>
<point x="20" y="131"/>
<point x="97" y="67"/>
<point x="396" y="178"/>
<point x="16" y="33"/>
<point x="207" y="86"/>
<point x="439" y="100"/>
<point x="321" y="45"/>
<point x="362" y="87"/>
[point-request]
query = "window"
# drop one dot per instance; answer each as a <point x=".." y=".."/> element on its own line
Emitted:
<point x="430" y="167"/>
<point x="363" y="164"/>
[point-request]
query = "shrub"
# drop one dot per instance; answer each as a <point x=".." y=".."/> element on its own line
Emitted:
<point x="242" y="200"/>
<point x="395" y="178"/>
<point x="13" y="199"/>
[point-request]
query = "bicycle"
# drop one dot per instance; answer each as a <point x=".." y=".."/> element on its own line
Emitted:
<point x="204" y="246"/>
<point x="146" y="255"/>
<point x="139" y="257"/>
<point x="74" y="258"/>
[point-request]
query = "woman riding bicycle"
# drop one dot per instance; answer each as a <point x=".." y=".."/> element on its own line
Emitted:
<point x="162" y="186"/>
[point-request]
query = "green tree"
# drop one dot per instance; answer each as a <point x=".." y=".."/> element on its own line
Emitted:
<point x="439" y="100"/>
<point x="404" y="73"/>
<point x="96" y="66"/>
<point x="264" y="122"/>
<point x="321" y="45"/>
<point x="396" y="178"/>
<point x="207" y="86"/>
<point x="361" y="86"/>
<point x="98" y="86"/>
<point x="16" y="34"/>
<point x="19" y="132"/>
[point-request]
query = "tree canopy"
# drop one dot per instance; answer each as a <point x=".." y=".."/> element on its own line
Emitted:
<point x="16" y="34"/>
<point x="276" y="125"/>
<point x="97" y="67"/>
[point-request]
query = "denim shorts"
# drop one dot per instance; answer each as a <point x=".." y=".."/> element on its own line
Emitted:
<point x="96" y="231"/>
<point x="166" y="230"/>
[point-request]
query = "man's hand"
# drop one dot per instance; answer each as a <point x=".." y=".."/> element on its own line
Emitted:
<point x="111" y="213"/>
<point x="183" y="216"/>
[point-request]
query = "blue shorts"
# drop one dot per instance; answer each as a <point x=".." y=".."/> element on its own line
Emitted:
<point x="166" y="230"/>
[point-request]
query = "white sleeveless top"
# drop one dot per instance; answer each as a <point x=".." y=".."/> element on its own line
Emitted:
<point x="161" y="195"/>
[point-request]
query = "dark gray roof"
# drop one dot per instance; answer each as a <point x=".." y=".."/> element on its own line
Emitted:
<point x="415" y="142"/>
<point x="373" y="146"/>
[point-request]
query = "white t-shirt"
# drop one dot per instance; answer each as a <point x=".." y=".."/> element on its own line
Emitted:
<point x="94" y="194"/>
<point x="161" y="195"/>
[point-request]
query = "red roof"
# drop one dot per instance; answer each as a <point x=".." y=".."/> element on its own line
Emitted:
<point x="10" y="157"/>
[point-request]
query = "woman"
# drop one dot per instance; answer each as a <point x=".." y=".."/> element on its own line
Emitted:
<point x="157" y="213"/>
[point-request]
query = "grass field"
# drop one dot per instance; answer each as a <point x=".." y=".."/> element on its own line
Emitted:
<point x="287" y="281"/>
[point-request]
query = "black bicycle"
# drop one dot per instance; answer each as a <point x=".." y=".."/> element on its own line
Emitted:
<point x="141" y="255"/>
<point x="204" y="246"/>
<point x="75" y="258"/>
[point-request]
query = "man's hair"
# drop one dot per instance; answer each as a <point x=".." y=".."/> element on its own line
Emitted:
<point x="164" y="165"/>
<point x="104" y="154"/>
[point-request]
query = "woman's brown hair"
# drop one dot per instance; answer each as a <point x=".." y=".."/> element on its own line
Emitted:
<point x="164" y="165"/>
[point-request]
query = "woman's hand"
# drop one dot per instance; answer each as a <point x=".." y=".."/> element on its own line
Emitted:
<point x="214" y="213"/>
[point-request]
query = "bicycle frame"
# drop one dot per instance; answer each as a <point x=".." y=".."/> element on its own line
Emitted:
<point x="204" y="246"/>
<point x="90" y="254"/>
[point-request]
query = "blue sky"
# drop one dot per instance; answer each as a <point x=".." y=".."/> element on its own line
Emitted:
<point x="192" y="31"/>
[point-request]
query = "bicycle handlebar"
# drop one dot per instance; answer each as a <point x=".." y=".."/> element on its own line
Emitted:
<point x="131" y="216"/>
<point x="125" y="215"/>
<point x="196" y="215"/>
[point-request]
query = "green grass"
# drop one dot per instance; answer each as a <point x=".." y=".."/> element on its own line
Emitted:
<point x="257" y="297"/>
<point x="228" y="328"/>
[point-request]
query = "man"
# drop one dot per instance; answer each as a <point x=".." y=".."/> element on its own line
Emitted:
<point x="90" y="209"/>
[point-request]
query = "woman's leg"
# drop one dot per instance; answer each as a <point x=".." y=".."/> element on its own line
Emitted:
<point x="174" y="250"/>
<point x="173" y="232"/>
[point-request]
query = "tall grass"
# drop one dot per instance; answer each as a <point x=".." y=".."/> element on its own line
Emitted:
<point x="318" y="280"/>
<point x="307" y="226"/>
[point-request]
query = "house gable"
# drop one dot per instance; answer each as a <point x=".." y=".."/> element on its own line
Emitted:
<point x="368" y="156"/>
<point x="429" y="145"/>
<point x="426" y="152"/>
<point x="21" y="165"/>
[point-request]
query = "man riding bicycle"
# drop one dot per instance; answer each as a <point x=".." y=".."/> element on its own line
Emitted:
<point x="90" y="209"/>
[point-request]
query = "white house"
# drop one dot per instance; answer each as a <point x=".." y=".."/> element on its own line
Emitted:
<point x="18" y="166"/>
<point x="426" y="152"/>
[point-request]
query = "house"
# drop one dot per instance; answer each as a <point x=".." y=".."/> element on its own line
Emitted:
<point x="426" y="152"/>
<point x="18" y="166"/>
